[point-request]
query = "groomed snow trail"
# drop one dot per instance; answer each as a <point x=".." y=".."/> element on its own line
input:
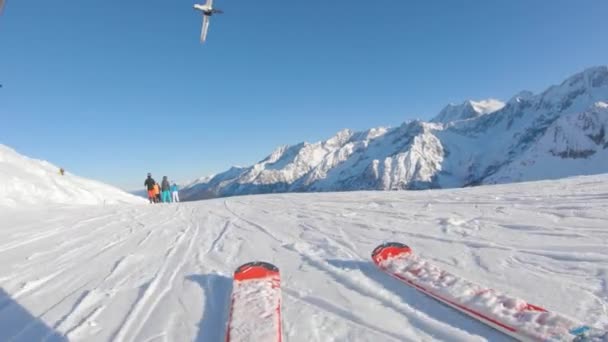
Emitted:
<point x="164" y="272"/>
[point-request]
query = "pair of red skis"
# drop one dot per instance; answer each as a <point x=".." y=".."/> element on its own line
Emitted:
<point x="255" y="313"/>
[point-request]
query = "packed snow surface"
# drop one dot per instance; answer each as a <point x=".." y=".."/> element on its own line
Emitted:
<point x="27" y="181"/>
<point x="164" y="272"/>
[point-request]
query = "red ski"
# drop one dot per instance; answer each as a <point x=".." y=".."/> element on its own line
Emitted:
<point x="512" y="316"/>
<point x="255" y="313"/>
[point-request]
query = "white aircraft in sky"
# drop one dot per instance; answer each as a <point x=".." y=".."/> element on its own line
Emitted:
<point x="208" y="11"/>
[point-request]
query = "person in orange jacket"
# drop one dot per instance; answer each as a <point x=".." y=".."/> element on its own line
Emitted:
<point x="157" y="193"/>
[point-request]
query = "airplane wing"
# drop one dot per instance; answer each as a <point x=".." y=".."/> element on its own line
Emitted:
<point x="1" y="5"/>
<point x="205" y="28"/>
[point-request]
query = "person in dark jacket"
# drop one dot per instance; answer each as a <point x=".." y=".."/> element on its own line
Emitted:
<point x="165" y="187"/>
<point x="149" y="184"/>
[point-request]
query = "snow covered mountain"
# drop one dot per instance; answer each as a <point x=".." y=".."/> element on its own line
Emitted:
<point x="25" y="181"/>
<point x="558" y="133"/>
<point x="468" y="110"/>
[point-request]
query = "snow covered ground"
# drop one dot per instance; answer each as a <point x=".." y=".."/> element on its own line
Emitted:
<point x="163" y="272"/>
<point x="30" y="182"/>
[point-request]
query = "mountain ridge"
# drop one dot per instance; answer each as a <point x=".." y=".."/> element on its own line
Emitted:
<point x="477" y="142"/>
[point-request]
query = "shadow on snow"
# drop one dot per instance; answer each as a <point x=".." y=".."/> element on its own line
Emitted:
<point x="217" y="290"/>
<point x="422" y="302"/>
<point x="18" y="324"/>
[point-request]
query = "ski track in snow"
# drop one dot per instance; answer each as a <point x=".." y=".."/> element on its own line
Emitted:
<point x="163" y="272"/>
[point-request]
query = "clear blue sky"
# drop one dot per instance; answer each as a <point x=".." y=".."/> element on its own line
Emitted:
<point x="112" y="89"/>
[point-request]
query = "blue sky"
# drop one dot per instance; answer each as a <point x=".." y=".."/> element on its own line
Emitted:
<point x="114" y="89"/>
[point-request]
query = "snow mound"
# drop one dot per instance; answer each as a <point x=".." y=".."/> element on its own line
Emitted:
<point x="25" y="181"/>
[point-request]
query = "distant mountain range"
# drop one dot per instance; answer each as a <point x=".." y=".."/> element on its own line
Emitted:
<point x="558" y="133"/>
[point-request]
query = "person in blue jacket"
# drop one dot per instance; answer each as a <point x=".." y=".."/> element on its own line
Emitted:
<point x="165" y="188"/>
<point x="174" y="193"/>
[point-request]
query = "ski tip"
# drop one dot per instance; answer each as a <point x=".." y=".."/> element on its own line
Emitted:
<point x="255" y="270"/>
<point x="388" y="250"/>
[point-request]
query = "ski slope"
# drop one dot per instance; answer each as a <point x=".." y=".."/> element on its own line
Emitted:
<point x="30" y="182"/>
<point x="164" y="272"/>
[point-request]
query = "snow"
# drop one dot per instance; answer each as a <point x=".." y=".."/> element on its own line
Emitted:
<point x="164" y="272"/>
<point x="26" y="181"/>
<point x="511" y="315"/>
<point x="574" y="144"/>
<point x="560" y="132"/>
<point x="468" y="110"/>
<point x="487" y="106"/>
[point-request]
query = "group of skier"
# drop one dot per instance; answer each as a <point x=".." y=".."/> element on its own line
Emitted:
<point x="165" y="192"/>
